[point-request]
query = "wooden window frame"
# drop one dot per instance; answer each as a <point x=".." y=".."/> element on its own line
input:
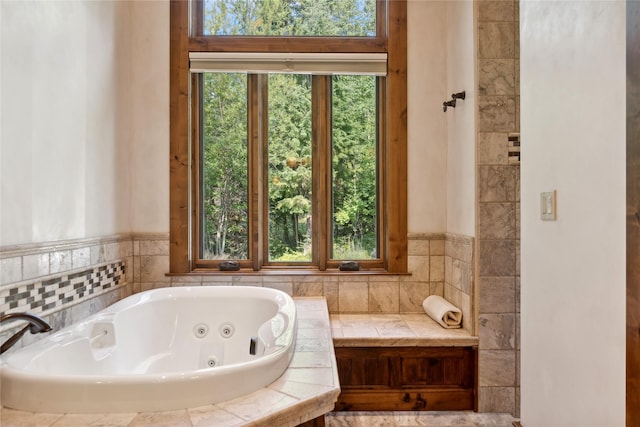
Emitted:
<point x="393" y="170"/>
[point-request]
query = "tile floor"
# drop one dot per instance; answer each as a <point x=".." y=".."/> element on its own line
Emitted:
<point x="414" y="419"/>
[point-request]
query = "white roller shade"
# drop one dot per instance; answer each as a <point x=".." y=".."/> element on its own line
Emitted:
<point x="374" y="64"/>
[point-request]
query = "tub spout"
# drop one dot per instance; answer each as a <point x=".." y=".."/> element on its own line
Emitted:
<point x="36" y="325"/>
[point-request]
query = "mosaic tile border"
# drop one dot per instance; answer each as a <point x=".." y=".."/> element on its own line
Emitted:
<point x="46" y="294"/>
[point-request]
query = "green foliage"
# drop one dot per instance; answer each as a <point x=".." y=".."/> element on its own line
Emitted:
<point x="290" y="17"/>
<point x="224" y="171"/>
<point x="354" y="150"/>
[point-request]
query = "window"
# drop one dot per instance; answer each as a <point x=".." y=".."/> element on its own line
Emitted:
<point x="288" y="134"/>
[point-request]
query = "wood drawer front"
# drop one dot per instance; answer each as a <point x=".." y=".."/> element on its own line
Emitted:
<point x="406" y="400"/>
<point x="406" y="378"/>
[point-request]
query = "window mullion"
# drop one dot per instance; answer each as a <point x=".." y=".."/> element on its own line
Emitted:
<point x="262" y="239"/>
<point x="254" y="176"/>
<point x="321" y="128"/>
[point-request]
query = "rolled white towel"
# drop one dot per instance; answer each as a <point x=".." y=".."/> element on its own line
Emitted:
<point x="442" y="311"/>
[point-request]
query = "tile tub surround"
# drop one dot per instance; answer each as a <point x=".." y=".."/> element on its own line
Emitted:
<point x="395" y="330"/>
<point x="432" y="272"/>
<point x="308" y="389"/>
<point x="63" y="281"/>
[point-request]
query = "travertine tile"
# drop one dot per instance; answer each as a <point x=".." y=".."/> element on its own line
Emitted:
<point x="319" y="376"/>
<point x="60" y="261"/>
<point x="128" y="270"/>
<point x="459" y="248"/>
<point x="257" y="404"/>
<point x="330" y="290"/>
<point x="207" y="416"/>
<point x="112" y="251"/>
<point x="497" y="114"/>
<point x="154" y="269"/>
<point x="518" y="331"/>
<point x="497" y="331"/>
<point x="114" y="420"/>
<point x="312" y="344"/>
<point x="353" y="297"/>
<point x="153" y="247"/>
<point x="81" y="257"/>
<point x="186" y="280"/>
<point x="436" y="268"/>
<point x="448" y="269"/>
<point x="296" y="389"/>
<point x="497" y="220"/>
<point x="517" y="267"/>
<point x="162" y="419"/>
<point x="496" y="40"/>
<point x="496" y="368"/>
<point x="311" y="359"/>
<point x="497" y="257"/>
<point x="496" y="11"/>
<point x="238" y="280"/>
<point x="517" y="284"/>
<point x="496" y="399"/>
<point x="12" y="418"/>
<point x="497" y="294"/>
<point x="419" y="269"/>
<point x="414" y="419"/>
<point x="518" y="221"/>
<point x="384" y="297"/>
<point x="493" y="148"/>
<point x="412" y="294"/>
<point x="436" y="247"/>
<point x="436" y="288"/>
<point x="417" y="247"/>
<point x="35" y="265"/>
<point x="517" y="75"/>
<point x="97" y="254"/>
<point x="496" y="77"/>
<point x="461" y="276"/>
<point x="496" y="184"/>
<point x="308" y="289"/>
<point x="69" y="420"/>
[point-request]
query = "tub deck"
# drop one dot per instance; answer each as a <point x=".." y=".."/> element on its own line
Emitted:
<point x="403" y="362"/>
<point x="307" y="390"/>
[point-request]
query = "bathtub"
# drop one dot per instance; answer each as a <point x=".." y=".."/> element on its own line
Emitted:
<point x="158" y="350"/>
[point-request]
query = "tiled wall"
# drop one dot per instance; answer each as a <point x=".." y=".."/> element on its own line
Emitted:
<point x="357" y="293"/>
<point x="498" y="206"/>
<point x="63" y="282"/>
<point x="458" y="286"/>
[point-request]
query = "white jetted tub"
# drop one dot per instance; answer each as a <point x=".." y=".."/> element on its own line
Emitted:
<point x="158" y="350"/>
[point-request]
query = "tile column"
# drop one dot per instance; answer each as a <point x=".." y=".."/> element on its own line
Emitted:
<point x="498" y="206"/>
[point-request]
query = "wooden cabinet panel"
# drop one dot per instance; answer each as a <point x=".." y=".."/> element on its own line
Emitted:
<point x="406" y="378"/>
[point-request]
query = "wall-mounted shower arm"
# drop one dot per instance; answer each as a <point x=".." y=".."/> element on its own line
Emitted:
<point x="446" y="104"/>
<point x="459" y="95"/>
<point x="452" y="103"/>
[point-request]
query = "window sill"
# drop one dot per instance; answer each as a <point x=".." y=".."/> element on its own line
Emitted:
<point x="287" y="272"/>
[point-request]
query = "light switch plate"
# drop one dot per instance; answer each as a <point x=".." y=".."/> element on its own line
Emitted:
<point x="548" y="206"/>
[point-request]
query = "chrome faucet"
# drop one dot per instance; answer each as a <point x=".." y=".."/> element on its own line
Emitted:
<point x="36" y="325"/>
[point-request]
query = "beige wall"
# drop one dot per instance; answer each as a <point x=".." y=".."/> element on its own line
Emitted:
<point x="427" y="124"/>
<point x="150" y="128"/>
<point x="65" y="139"/>
<point x="461" y="122"/>
<point x="573" y="270"/>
